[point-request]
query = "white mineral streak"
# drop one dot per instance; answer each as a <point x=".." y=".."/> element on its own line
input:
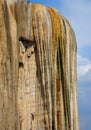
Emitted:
<point x="38" y="85"/>
<point x="11" y="1"/>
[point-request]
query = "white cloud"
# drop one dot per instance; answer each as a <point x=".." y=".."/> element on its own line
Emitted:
<point x="82" y="60"/>
<point x="84" y="69"/>
<point x="84" y="66"/>
<point x="84" y="92"/>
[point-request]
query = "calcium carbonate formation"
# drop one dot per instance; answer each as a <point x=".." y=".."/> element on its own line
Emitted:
<point x="38" y="85"/>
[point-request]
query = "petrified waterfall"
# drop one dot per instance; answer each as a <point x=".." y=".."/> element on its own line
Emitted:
<point x="38" y="89"/>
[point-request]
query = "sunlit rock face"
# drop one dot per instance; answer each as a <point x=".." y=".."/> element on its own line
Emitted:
<point x="38" y="89"/>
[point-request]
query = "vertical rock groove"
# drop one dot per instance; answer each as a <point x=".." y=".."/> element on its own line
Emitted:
<point x="38" y="89"/>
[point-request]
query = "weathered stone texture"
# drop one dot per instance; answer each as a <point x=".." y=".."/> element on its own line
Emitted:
<point x="38" y="89"/>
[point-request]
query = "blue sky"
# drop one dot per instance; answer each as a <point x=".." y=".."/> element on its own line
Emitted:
<point x="78" y="12"/>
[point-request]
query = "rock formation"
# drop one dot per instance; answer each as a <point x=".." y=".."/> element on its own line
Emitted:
<point x="38" y="89"/>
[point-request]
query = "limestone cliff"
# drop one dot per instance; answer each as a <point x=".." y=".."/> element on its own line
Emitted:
<point x="38" y="89"/>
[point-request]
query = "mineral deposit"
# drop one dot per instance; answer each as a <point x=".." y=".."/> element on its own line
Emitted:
<point x="38" y="84"/>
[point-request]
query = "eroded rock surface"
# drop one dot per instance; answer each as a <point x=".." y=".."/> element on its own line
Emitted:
<point x="38" y="89"/>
